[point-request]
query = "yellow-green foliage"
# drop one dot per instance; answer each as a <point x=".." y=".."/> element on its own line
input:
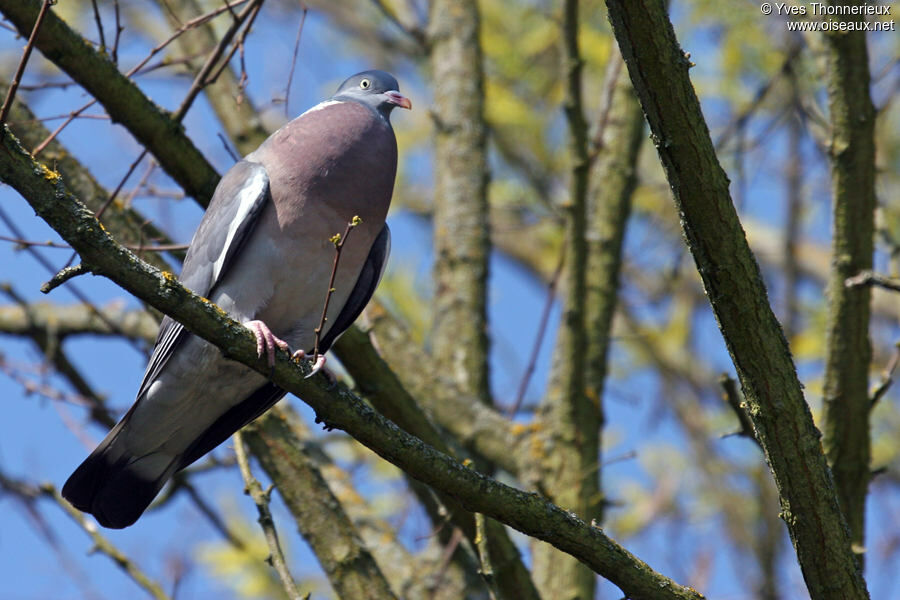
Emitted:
<point x="245" y="570"/>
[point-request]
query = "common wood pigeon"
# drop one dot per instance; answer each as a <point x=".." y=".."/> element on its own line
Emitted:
<point x="263" y="253"/>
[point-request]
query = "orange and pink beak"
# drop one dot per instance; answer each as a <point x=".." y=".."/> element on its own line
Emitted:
<point x="395" y="97"/>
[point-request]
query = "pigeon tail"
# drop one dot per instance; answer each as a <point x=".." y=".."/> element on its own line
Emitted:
<point x="116" y="487"/>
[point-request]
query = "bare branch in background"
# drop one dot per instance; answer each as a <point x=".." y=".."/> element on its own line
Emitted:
<point x="104" y="546"/>
<point x="260" y="497"/>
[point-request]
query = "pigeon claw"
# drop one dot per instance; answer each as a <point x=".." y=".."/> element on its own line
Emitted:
<point x="318" y="366"/>
<point x="266" y="341"/>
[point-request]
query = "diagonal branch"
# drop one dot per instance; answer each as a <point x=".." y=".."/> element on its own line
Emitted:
<point x="261" y="498"/>
<point x="320" y="517"/>
<point x="732" y="280"/>
<point x="334" y="405"/>
<point x="103" y="545"/>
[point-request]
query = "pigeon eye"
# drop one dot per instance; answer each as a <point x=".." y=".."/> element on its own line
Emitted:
<point x="364" y="84"/>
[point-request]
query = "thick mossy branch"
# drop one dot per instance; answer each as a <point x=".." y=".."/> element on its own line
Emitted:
<point x="731" y="277"/>
<point x="848" y="350"/>
<point x="335" y="405"/>
<point x="121" y="97"/>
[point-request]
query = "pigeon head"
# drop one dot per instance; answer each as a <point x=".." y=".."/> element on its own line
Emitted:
<point x="376" y="89"/>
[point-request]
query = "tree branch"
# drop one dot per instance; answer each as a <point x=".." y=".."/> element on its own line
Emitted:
<point x="461" y="232"/>
<point x="103" y="545"/>
<point x="781" y="417"/>
<point x="383" y="389"/>
<point x="261" y="498"/>
<point x="128" y="225"/>
<point x="235" y="111"/>
<point x="321" y="519"/>
<point x="609" y="206"/>
<point x="569" y="419"/>
<point x="480" y="429"/>
<point x="848" y="349"/>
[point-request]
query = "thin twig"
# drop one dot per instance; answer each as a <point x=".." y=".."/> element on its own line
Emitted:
<point x="104" y="546"/>
<point x="611" y="78"/>
<point x="338" y="240"/>
<point x="63" y="276"/>
<point x="119" y="29"/>
<point x="228" y="149"/>
<point x="67" y="116"/>
<point x="59" y="246"/>
<point x="72" y="116"/>
<point x="21" y="242"/>
<point x="48" y="340"/>
<point x="450" y="547"/>
<point x="539" y="338"/>
<point x="46" y="85"/>
<point x="287" y="90"/>
<point x="871" y="278"/>
<point x="122" y="182"/>
<point x="238" y="45"/>
<point x="193" y="23"/>
<point x="17" y="78"/>
<point x="761" y="93"/>
<point x="203" y="77"/>
<point x="44" y="390"/>
<point x="486" y="569"/>
<point x="99" y="25"/>
<point x="887" y="377"/>
<point x="733" y="398"/>
<point x="253" y="488"/>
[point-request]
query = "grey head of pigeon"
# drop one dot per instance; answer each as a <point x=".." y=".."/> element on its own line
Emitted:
<point x="376" y="89"/>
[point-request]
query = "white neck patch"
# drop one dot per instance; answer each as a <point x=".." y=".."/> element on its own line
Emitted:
<point x="322" y="105"/>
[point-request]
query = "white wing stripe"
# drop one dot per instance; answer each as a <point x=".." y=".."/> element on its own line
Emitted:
<point x="249" y="194"/>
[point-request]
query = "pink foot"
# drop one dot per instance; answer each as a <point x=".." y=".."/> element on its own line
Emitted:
<point x="266" y="340"/>
<point x="318" y="366"/>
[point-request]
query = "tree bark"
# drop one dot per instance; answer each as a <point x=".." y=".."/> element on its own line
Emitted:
<point x="609" y="206"/>
<point x="731" y="277"/>
<point x="848" y="351"/>
<point x="461" y="237"/>
<point x="568" y="465"/>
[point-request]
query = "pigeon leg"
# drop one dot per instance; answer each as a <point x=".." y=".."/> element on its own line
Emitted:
<point x="320" y="364"/>
<point x="266" y="340"/>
